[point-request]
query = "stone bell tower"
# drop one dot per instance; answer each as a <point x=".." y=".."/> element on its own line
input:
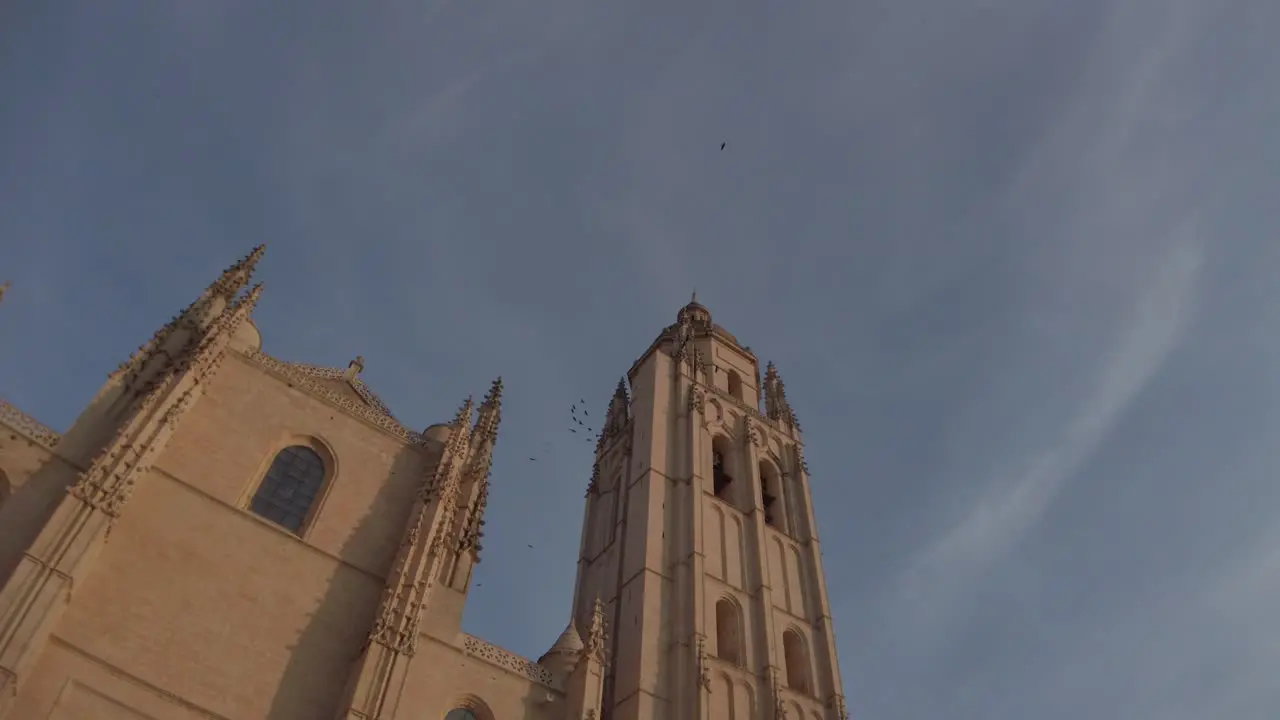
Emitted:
<point x="700" y="541"/>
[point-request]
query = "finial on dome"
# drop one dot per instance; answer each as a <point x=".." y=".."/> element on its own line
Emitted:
<point x="694" y="312"/>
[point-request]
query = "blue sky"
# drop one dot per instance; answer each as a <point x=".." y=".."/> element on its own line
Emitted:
<point x="1016" y="260"/>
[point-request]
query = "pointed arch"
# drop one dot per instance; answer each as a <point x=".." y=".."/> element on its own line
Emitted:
<point x="288" y="493"/>
<point x="468" y="707"/>
<point x="722" y="698"/>
<point x="729" y="635"/>
<point x="795" y="654"/>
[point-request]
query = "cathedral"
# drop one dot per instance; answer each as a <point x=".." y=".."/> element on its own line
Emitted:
<point x="225" y="535"/>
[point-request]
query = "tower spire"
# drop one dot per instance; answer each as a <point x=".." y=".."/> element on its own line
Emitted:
<point x="197" y="315"/>
<point x="236" y="278"/>
<point x="776" y="406"/>
<point x="490" y="413"/>
<point x="159" y="359"/>
<point x="483" y="438"/>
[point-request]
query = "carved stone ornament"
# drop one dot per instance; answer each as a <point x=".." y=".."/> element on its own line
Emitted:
<point x="27" y="425"/>
<point x="779" y="707"/>
<point x="509" y="661"/>
<point x="755" y="433"/>
<point x="836" y="702"/>
<point x="697" y="399"/>
<point x="596" y="634"/>
<point x="704" y="669"/>
<point x="372" y="410"/>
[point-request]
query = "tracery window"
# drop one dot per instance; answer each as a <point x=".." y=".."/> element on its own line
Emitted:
<point x="290" y="488"/>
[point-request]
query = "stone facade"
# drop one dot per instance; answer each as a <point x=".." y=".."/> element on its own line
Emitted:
<point x="223" y="534"/>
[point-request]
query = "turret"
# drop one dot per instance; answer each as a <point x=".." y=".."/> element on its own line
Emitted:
<point x="584" y="688"/>
<point x="564" y="655"/>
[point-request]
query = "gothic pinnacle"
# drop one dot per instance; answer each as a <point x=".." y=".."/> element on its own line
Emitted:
<point x="493" y="398"/>
<point x="490" y="411"/>
<point x="621" y="390"/>
<point x="250" y="300"/>
<point x="463" y="418"/>
<point x="234" y="278"/>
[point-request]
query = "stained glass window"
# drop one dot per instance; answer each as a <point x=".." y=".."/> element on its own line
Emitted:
<point x="290" y="487"/>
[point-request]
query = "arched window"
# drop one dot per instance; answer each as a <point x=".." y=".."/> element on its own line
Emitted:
<point x="797" y="660"/>
<point x="771" y="497"/>
<point x="289" y="489"/>
<point x="728" y="632"/>
<point x="469" y="707"/>
<point x="735" y="384"/>
<point x="722" y="468"/>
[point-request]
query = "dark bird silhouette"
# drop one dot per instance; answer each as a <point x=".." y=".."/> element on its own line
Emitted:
<point x="573" y="430"/>
<point x="530" y="546"/>
<point x="586" y="414"/>
<point x="722" y="145"/>
<point x="534" y="459"/>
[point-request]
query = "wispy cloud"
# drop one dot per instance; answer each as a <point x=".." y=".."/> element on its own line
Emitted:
<point x="1006" y="254"/>
<point x="1010" y="510"/>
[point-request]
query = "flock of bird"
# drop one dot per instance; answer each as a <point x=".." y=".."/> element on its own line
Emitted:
<point x="576" y="424"/>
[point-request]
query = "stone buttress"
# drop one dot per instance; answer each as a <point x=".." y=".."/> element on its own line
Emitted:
<point x="116" y="441"/>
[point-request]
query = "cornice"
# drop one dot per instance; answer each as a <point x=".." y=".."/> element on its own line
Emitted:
<point x="28" y="426"/>
<point x="307" y="377"/>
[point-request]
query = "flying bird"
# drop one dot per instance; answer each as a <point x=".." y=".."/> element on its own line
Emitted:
<point x="722" y="145"/>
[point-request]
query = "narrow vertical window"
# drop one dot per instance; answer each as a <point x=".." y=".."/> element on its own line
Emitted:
<point x="721" y="471"/>
<point x="735" y="385"/>
<point x="797" y="660"/>
<point x="728" y="632"/>
<point x="771" y="497"/>
<point x="290" y="487"/>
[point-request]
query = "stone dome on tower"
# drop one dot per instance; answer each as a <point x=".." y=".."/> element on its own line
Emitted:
<point x="695" y="313"/>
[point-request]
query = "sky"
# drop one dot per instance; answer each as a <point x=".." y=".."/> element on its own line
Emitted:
<point x="1013" y="258"/>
